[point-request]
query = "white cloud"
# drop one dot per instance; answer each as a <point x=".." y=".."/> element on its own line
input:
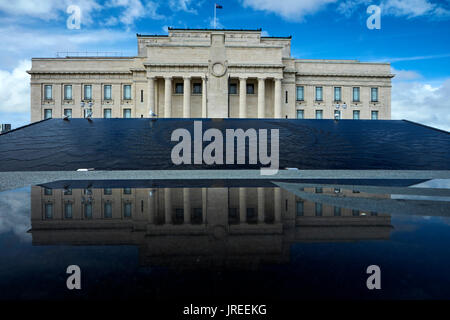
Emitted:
<point x="292" y="10"/>
<point x="49" y="9"/>
<point x="423" y="102"/>
<point x="133" y="10"/>
<point x="400" y="8"/>
<point x="404" y="75"/>
<point x="182" y="5"/>
<point x="15" y="89"/>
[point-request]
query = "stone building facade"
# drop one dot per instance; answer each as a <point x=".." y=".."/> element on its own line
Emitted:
<point x="208" y="73"/>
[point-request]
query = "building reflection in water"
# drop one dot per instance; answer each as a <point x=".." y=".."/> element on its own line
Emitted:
<point x="199" y="227"/>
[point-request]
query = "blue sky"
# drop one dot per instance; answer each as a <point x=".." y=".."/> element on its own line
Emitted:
<point x="414" y="37"/>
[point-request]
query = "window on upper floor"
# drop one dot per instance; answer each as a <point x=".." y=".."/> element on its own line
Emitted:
<point x="356" y="96"/>
<point x="300" y="93"/>
<point x="197" y="88"/>
<point x="374" y="94"/>
<point x="250" y="88"/>
<point x="48" y="92"/>
<point x="179" y="88"/>
<point x="233" y="88"/>
<point x="127" y="92"/>
<point x="319" y="93"/>
<point x="87" y="92"/>
<point x="107" y="92"/>
<point x="68" y="92"/>
<point x="337" y="94"/>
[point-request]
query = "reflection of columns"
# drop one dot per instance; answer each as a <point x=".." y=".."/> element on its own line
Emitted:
<point x="187" y="98"/>
<point x="261" y="199"/>
<point x="277" y="204"/>
<point x="151" y="206"/>
<point x="204" y="114"/>
<point x="242" y="97"/>
<point x="167" y="205"/>
<point x="187" y="205"/>
<point x="242" y="205"/>
<point x="277" y="102"/>
<point x="168" y="97"/>
<point x="151" y="95"/>
<point x="261" y="97"/>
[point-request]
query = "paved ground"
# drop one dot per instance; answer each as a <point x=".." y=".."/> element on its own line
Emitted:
<point x="14" y="180"/>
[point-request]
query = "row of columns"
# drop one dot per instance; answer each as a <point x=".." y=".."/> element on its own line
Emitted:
<point x="261" y="98"/>
<point x="187" y="97"/>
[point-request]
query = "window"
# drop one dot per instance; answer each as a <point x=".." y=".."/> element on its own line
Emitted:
<point x="68" y="113"/>
<point x="87" y="92"/>
<point x="356" y="114"/>
<point x="107" y="191"/>
<point x="300" y="93"/>
<point x="337" y="114"/>
<point x="356" y="94"/>
<point x="127" y="113"/>
<point x="318" y="209"/>
<point x="87" y="191"/>
<point x="107" y="92"/>
<point x="87" y="112"/>
<point x="337" y="211"/>
<point x="48" y="210"/>
<point x="107" y="210"/>
<point x="48" y="94"/>
<point x="68" y="210"/>
<point x="67" y="191"/>
<point x="197" y="88"/>
<point x="179" y="216"/>
<point x="337" y="94"/>
<point x="374" y="94"/>
<point x="127" y="209"/>
<point x="300" y="114"/>
<point x="127" y="92"/>
<point x="286" y="97"/>
<point x="197" y="216"/>
<point x="107" y="113"/>
<point x="126" y="190"/>
<point x="355" y="213"/>
<point x="319" y="114"/>
<point x="68" y="92"/>
<point x="142" y="95"/>
<point x="233" y="88"/>
<point x="319" y="93"/>
<point x="47" y="113"/>
<point x="251" y="215"/>
<point x="179" y="88"/>
<point x="48" y="191"/>
<point x="250" y="88"/>
<point x="299" y="206"/>
<point x="319" y="190"/>
<point x="88" y="211"/>
<point x="374" y="115"/>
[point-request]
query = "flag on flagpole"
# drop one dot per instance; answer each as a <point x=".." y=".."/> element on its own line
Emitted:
<point x="218" y="6"/>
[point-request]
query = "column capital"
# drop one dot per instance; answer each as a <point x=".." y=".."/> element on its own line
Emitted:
<point x="168" y="77"/>
<point x="243" y="78"/>
<point x="262" y="78"/>
<point x="187" y="78"/>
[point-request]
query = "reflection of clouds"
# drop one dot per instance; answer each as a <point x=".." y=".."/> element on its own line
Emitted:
<point x="15" y="213"/>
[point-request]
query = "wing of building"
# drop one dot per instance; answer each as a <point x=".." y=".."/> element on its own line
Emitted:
<point x="195" y="73"/>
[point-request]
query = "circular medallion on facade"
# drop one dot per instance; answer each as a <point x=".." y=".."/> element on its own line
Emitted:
<point x="218" y="69"/>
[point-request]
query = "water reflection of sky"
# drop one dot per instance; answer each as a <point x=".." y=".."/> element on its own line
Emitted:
<point x="414" y="261"/>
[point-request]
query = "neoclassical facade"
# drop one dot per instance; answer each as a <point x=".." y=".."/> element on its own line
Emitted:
<point x="208" y="73"/>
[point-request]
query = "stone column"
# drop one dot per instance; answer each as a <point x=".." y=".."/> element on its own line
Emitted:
<point x="204" y="113"/>
<point x="277" y="102"/>
<point x="242" y="97"/>
<point x="168" y="97"/>
<point x="151" y="95"/>
<point x="187" y="205"/>
<point x="261" y="97"/>
<point x="277" y="204"/>
<point x="187" y="97"/>
<point x="261" y="199"/>
<point x="168" y="205"/>
<point x="242" y="205"/>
